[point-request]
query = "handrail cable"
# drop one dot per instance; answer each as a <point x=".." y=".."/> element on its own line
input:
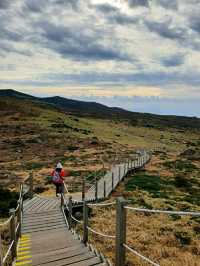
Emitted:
<point x="162" y="211"/>
<point x="76" y="220"/>
<point x="6" y="222"/>
<point x="101" y="204"/>
<point x="140" y="255"/>
<point x="98" y="233"/>
<point x="8" y="251"/>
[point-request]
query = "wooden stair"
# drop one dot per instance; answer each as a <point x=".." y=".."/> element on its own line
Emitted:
<point x="46" y="239"/>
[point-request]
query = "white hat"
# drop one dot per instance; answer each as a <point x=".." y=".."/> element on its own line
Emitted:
<point x="59" y="165"/>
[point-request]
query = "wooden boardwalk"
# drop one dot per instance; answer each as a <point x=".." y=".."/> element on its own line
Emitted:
<point x="46" y="239"/>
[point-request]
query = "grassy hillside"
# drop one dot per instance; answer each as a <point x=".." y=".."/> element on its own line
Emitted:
<point x="96" y="110"/>
<point x="35" y="136"/>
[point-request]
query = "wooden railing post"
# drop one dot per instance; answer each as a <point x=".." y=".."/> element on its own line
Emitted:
<point x="1" y="251"/>
<point x="13" y="234"/>
<point x="19" y="218"/>
<point x="120" y="250"/>
<point x="62" y="202"/>
<point x="112" y="180"/>
<point x="96" y="189"/>
<point x="31" y="185"/>
<point x="119" y="172"/>
<point x="85" y="222"/>
<point x="70" y="213"/>
<point x="83" y="188"/>
<point x="104" y="188"/>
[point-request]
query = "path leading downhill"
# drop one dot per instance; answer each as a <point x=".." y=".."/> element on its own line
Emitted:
<point x="46" y="239"/>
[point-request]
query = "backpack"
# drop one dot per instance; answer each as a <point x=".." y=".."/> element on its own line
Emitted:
<point x="56" y="177"/>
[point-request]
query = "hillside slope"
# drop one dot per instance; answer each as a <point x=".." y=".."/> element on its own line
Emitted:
<point x="96" y="110"/>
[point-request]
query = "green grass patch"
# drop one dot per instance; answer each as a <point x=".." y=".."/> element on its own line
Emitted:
<point x="95" y="175"/>
<point x="155" y="185"/>
<point x="34" y="165"/>
<point x="180" y="165"/>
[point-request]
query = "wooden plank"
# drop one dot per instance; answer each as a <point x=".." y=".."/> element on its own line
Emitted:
<point x="58" y="251"/>
<point x="42" y="221"/>
<point x="32" y="230"/>
<point x="69" y="261"/>
<point x="35" y="226"/>
<point x="59" y="256"/>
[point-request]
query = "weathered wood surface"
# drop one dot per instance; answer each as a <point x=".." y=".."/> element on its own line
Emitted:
<point x="46" y="239"/>
<point x="109" y="182"/>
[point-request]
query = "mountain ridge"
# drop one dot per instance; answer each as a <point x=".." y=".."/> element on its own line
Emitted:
<point x="98" y="110"/>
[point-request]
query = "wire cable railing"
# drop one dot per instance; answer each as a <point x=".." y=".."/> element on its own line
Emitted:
<point x="121" y="246"/>
<point x="99" y="233"/>
<point x="140" y="256"/>
<point x="181" y="213"/>
<point x="102" y="189"/>
<point x="12" y="226"/>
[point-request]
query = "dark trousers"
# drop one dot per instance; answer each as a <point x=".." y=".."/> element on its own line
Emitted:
<point x="59" y="188"/>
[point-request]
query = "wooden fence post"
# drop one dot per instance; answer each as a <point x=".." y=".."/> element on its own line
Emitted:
<point x="120" y="250"/>
<point x="13" y="234"/>
<point x="31" y="185"/>
<point x="112" y="180"/>
<point x="19" y="218"/>
<point x="70" y="213"/>
<point x="62" y="202"/>
<point x="83" y="188"/>
<point x="1" y="251"/>
<point x="104" y="188"/>
<point x="85" y="222"/>
<point x="96" y="189"/>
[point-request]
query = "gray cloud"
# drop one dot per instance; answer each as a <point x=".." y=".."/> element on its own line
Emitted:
<point x="77" y="44"/>
<point x="36" y="6"/>
<point x="173" y="61"/>
<point x="195" y="23"/>
<point x="166" y="30"/>
<point x="74" y="4"/>
<point x="135" y="3"/>
<point x="106" y="8"/>
<point x="114" y="15"/>
<point x="4" y="4"/>
<point x="168" y="4"/>
<point x="7" y="48"/>
<point x="10" y="35"/>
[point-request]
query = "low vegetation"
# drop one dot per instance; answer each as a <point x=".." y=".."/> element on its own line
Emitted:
<point x="35" y="136"/>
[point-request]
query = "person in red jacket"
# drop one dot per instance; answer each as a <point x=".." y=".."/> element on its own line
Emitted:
<point x="58" y="178"/>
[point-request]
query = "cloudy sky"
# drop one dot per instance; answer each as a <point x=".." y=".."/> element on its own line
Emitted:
<point x="142" y="55"/>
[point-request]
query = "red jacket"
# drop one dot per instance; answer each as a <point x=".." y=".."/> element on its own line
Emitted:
<point x="62" y="174"/>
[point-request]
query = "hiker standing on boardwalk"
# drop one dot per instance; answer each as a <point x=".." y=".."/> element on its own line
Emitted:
<point x="58" y="178"/>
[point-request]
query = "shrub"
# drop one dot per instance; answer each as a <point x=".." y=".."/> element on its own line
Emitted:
<point x="40" y="189"/>
<point x="8" y="200"/>
<point x="182" y="182"/>
<point x="180" y="165"/>
<point x="183" y="237"/>
<point x="34" y="165"/>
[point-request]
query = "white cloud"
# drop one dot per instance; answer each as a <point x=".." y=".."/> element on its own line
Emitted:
<point x="95" y="42"/>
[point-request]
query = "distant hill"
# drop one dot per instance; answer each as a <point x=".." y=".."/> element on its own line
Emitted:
<point x="97" y="110"/>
